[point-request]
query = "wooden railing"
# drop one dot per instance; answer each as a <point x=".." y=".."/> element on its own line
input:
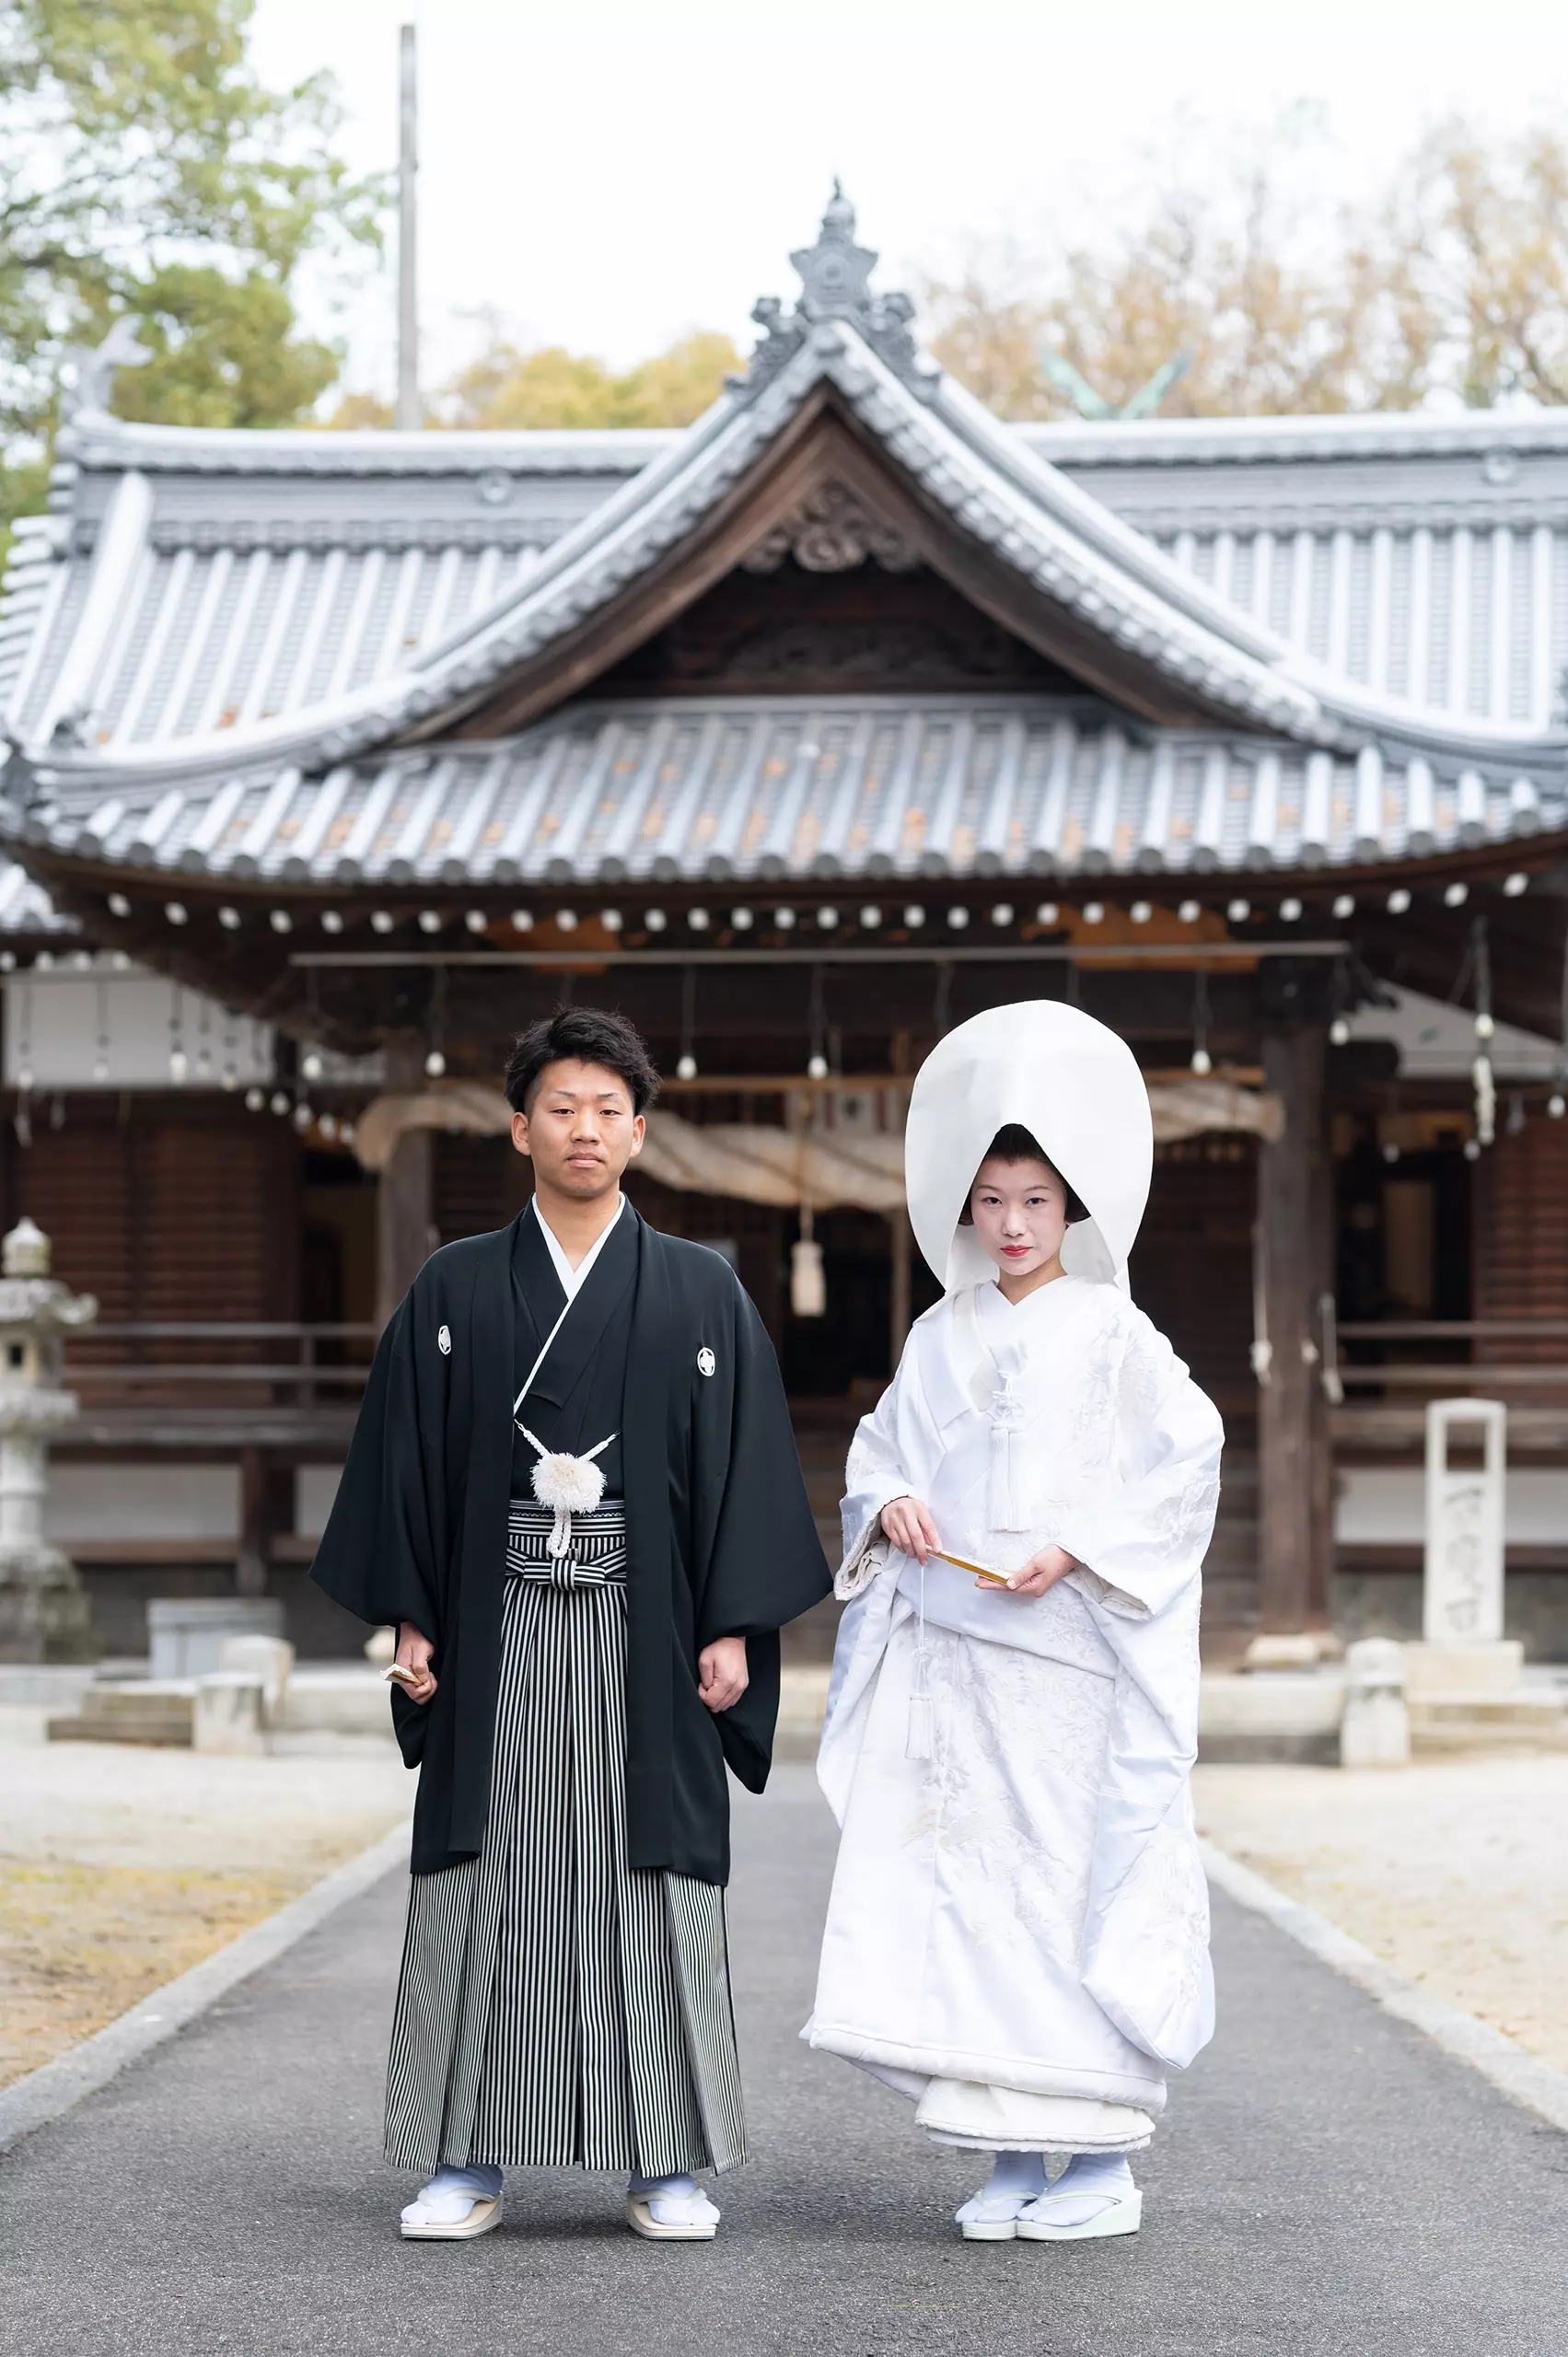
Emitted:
<point x="1459" y="1368"/>
<point x="266" y="1380"/>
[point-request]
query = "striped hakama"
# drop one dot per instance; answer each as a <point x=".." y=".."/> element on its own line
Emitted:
<point x="556" y="2008"/>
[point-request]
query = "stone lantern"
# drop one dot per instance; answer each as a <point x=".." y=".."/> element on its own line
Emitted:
<point x="43" y="1613"/>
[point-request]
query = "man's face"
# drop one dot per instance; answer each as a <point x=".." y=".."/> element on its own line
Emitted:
<point x="581" y="1131"/>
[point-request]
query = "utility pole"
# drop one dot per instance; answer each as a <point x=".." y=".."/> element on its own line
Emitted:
<point x="408" y="230"/>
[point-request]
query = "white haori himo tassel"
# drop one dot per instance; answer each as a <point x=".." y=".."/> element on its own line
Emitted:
<point x="566" y="1485"/>
<point x="1006" y="1511"/>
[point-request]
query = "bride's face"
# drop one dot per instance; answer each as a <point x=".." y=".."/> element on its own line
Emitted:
<point x="1019" y="1211"/>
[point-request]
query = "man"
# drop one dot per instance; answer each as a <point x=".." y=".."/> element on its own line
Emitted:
<point x="574" y="1490"/>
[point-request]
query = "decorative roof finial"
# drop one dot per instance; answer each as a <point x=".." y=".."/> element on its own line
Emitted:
<point x="96" y="367"/>
<point x="835" y="272"/>
<point x="835" y="283"/>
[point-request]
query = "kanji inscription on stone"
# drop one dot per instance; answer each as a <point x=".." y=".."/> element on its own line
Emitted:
<point x="1462" y="1601"/>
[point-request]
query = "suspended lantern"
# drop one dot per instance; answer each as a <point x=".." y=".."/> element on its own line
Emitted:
<point x="807" y="1280"/>
<point x="1201" y="1061"/>
<point x="100" y="1057"/>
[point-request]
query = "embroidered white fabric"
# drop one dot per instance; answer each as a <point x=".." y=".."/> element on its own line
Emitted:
<point x="1025" y="1910"/>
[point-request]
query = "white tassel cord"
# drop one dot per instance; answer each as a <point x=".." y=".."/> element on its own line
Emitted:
<point x="566" y="1485"/>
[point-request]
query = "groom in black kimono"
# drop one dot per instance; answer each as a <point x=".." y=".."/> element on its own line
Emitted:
<point x="574" y="1490"/>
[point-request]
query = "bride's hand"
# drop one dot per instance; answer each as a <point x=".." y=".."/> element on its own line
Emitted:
<point x="906" y="1522"/>
<point x="1042" y="1571"/>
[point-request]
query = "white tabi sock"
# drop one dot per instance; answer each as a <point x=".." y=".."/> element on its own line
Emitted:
<point x="452" y="2194"/>
<point x="1087" y="2185"/>
<point x="674" y="2200"/>
<point x="1015" y="2178"/>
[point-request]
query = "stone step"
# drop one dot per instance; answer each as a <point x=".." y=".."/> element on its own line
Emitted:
<point x="1525" y="1721"/>
<point x="149" y="1711"/>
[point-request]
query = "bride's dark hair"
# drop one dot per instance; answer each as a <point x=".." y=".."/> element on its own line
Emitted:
<point x="1014" y="1143"/>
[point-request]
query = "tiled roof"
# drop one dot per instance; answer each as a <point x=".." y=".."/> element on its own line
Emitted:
<point x="1423" y="560"/>
<point x="219" y="639"/>
<point x="218" y="647"/>
<point x="942" y="787"/>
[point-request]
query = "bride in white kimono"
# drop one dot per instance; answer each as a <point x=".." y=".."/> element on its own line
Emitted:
<point x="1017" y="1937"/>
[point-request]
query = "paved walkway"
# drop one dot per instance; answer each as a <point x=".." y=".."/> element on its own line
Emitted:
<point x="1329" y="2183"/>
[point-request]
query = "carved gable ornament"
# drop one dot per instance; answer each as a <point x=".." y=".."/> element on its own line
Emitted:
<point x="830" y="531"/>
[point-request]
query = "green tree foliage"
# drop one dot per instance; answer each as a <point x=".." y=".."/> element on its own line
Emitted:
<point x="222" y="352"/>
<point x="1450" y="285"/>
<point x="145" y="169"/>
<point x="505" y="386"/>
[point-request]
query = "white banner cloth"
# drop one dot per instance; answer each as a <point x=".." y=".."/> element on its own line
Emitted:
<point x="756" y="1163"/>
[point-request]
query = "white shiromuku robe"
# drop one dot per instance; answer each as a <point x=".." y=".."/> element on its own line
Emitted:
<point x="1017" y="1937"/>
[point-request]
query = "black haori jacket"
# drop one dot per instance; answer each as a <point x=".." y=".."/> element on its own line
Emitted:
<point x="720" y="1537"/>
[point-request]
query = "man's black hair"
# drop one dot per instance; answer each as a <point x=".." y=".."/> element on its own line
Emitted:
<point x="1014" y="1143"/>
<point x="587" y="1035"/>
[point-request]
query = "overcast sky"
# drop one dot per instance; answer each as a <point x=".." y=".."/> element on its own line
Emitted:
<point x="607" y="175"/>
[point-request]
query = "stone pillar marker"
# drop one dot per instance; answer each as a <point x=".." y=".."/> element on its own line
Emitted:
<point x="1463" y="1647"/>
<point x="43" y="1613"/>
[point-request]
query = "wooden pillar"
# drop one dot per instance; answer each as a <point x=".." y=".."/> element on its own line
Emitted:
<point x="899" y="1241"/>
<point x="901" y="1236"/>
<point x="250" y="1568"/>
<point x="1295" y="1232"/>
<point x="405" y="1194"/>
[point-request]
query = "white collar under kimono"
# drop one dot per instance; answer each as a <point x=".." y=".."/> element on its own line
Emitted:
<point x="573" y="1279"/>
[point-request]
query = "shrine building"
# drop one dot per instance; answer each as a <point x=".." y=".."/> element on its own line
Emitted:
<point x="800" y="733"/>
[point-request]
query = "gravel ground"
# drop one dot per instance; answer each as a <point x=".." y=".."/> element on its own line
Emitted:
<point x="121" y="1867"/>
<point x="1455" y="1872"/>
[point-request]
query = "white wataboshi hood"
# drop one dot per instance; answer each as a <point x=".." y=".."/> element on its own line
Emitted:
<point x="1076" y="1086"/>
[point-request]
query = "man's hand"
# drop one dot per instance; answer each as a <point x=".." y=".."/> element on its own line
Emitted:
<point x="1042" y="1571"/>
<point x="413" y="1653"/>
<point x="906" y="1522"/>
<point x="722" y="1675"/>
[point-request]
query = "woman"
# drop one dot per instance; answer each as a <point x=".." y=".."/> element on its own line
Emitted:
<point x="1017" y="1938"/>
